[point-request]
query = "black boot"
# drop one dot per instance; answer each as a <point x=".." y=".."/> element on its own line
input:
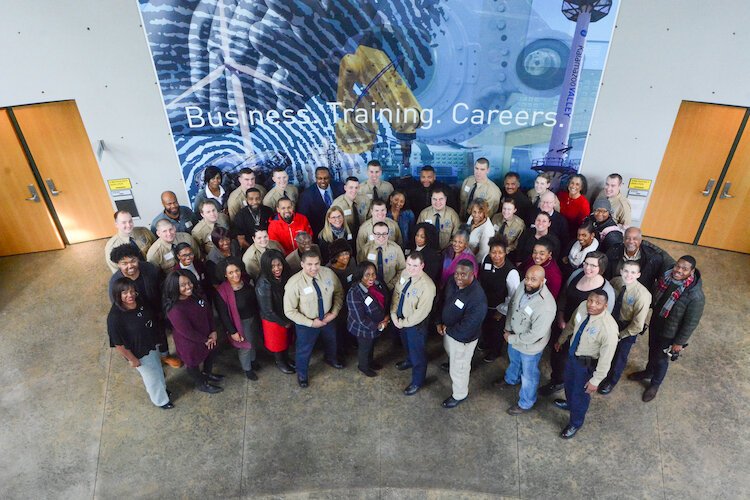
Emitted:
<point x="282" y="364"/>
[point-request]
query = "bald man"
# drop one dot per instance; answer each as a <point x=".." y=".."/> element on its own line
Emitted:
<point x="182" y="217"/>
<point x="528" y="325"/>
<point x="653" y="260"/>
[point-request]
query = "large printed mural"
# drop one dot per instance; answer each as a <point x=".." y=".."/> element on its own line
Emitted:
<point x="307" y="83"/>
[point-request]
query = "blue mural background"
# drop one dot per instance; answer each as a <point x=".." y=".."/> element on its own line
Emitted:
<point x="460" y="59"/>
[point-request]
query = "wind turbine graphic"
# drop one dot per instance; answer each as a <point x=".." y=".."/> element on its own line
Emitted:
<point x="232" y="69"/>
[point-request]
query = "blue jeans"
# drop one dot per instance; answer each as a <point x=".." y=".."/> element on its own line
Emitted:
<point x="306" y="338"/>
<point x="576" y="376"/>
<point x="153" y="378"/>
<point x="524" y="368"/>
<point x="413" y="338"/>
<point x="620" y="361"/>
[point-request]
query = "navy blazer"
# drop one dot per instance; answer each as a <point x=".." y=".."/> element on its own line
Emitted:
<point x="312" y="206"/>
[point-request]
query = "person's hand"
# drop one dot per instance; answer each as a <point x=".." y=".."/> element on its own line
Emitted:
<point x="498" y="316"/>
<point x="329" y="317"/>
<point x="441" y="329"/>
<point x="557" y="346"/>
<point x="591" y="388"/>
<point x="211" y="342"/>
<point x="565" y="260"/>
<point x="383" y="324"/>
<point x="288" y="325"/>
<point x="318" y="323"/>
<point x="135" y="363"/>
<point x="506" y="334"/>
<point x="397" y="323"/>
<point x="237" y="337"/>
<point x="677" y="348"/>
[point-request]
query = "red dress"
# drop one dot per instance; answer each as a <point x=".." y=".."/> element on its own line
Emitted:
<point x="574" y="210"/>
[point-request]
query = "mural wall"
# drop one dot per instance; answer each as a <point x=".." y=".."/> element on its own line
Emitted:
<point x="306" y="83"/>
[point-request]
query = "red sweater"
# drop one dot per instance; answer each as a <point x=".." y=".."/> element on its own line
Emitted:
<point x="552" y="274"/>
<point x="574" y="210"/>
<point x="283" y="233"/>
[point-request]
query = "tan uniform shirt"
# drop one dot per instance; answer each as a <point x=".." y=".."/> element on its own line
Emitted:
<point x="449" y="223"/>
<point x="598" y="339"/>
<point x="161" y="255"/>
<point x="301" y="300"/>
<point x="393" y="261"/>
<point x="275" y="194"/>
<point x="512" y="230"/>
<point x="487" y="190"/>
<point x="529" y="319"/>
<point x="251" y="257"/>
<point x="385" y="188"/>
<point x="621" y="211"/>
<point x="143" y="239"/>
<point x="534" y="197"/>
<point x="349" y="207"/>
<point x="365" y="235"/>
<point x="294" y="261"/>
<point x="418" y="301"/>
<point x="238" y="199"/>
<point x="635" y="305"/>
<point x="202" y="232"/>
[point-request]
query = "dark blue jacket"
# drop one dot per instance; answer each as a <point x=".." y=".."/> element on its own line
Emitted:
<point x="464" y="311"/>
<point x="312" y="206"/>
<point x="363" y="318"/>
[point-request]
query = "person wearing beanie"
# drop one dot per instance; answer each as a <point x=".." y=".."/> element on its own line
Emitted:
<point x="607" y="231"/>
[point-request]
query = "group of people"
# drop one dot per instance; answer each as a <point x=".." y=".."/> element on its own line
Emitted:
<point x="485" y="268"/>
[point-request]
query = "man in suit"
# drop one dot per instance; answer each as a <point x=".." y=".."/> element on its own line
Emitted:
<point x="315" y="201"/>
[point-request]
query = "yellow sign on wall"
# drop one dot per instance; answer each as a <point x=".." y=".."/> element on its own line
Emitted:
<point x="643" y="184"/>
<point x="116" y="184"/>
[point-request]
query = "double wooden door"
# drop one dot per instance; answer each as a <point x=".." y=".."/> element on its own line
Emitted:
<point x="702" y="192"/>
<point x="52" y="191"/>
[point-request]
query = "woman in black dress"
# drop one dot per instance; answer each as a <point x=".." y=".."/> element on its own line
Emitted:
<point x="269" y="289"/>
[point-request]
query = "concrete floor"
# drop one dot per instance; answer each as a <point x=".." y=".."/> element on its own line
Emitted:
<point x="76" y="421"/>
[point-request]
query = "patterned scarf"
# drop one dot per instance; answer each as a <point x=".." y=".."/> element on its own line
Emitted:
<point x="664" y="282"/>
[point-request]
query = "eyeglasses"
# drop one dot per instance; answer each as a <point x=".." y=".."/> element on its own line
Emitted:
<point x="185" y="255"/>
<point x="381" y="235"/>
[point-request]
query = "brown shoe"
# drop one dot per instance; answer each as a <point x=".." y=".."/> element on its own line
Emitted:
<point x="650" y="393"/>
<point x="171" y="361"/>
<point x="517" y="410"/>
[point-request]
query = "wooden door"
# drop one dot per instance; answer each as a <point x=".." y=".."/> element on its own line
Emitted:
<point x="727" y="225"/>
<point x="697" y="151"/>
<point x="26" y="225"/>
<point x="62" y="153"/>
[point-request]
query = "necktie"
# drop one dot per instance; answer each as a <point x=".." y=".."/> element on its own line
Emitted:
<point x="327" y="199"/>
<point x="375" y="195"/>
<point x="471" y="196"/>
<point x="437" y="222"/>
<point x="355" y="214"/>
<point x="577" y="337"/>
<point x="285" y="195"/>
<point x="136" y="248"/>
<point x="321" y="311"/>
<point x="381" y="274"/>
<point x="400" y="308"/>
<point x="503" y="227"/>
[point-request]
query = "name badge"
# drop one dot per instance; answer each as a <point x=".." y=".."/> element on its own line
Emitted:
<point x="488" y="267"/>
<point x="307" y="290"/>
<point x="528" y="310"/>
<point x="168" y="256"/>
<point x="349" y="278"/>
<point x="467" y="189"/>
<point x="407" y="251"/>
<point x="429" y="221"/>
<point x="368" y="301"/>
<point x="459" y="304"/>
<point x="347" y="212"/>
<point x="208" y="238"/>
<point x="371" y="256"/>
<point x="369" y="195"/>
<point x="371" y="237"/>
<point x="349" y="236"/>
<point x="188" y="224"/>
<point x="402" y="280"/>
<point x="578" y="317"/>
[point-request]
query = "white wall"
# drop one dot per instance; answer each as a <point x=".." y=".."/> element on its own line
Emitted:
<point x="662" y="53"/>
<point x="95" y="51"/>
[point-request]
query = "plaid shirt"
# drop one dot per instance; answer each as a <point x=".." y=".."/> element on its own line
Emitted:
<point x="363" y="318"/>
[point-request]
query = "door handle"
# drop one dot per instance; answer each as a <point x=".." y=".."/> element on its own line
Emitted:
<point x="34" y="194"/>
<point x="725" y="193"/>
<point x="709" y="187"/>
<point x="51" y="185"/>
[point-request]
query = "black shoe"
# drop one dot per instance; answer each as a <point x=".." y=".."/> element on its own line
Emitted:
<point x="550" y="388"/>
<point x="335" y="364"/>
<point x="446" y="367"/>
<point x="376" y="366"/>
<point x="480" y="348"/>
<point x="638" y="376"/>
<point x="285" y="368"/>
<point x="292" y="363"/>
<point x="569" y="431"/>
<point x="302" y="382"/>
<point x="369" y="372"/>
<point x="562" y="404"/>
<point x="167" y="406"/>
<point x="403" y="365"/>
<point x="650" y="393"/>
<point x="411" y="390"/>
<point x="606" y="387"/>
<point x="490" y="358"/>
<point x="209" y="388"/>
<point x="250" y="374"/>
<point x="214" y="377"/>
<point x="451" y="402"/>
<point x="516" y="410"/>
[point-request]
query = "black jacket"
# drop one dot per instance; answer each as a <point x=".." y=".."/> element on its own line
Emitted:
<point x="685" y="315"/>
<point x="654" y="261"/>
<point x="464" y="311"/>
<point x="270" y="294"/>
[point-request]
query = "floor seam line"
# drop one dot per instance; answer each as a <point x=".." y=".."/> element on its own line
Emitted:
<point x="518" y="457"/>
<point x="661" y="455"/>
<point x="244" y="439"/>
<point x="101" y="428"/>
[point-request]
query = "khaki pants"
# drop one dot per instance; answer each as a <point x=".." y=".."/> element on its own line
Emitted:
<point x="459" y="356"/>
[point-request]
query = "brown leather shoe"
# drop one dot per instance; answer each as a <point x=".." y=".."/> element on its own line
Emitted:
<point x="650" y="393"/>
<point x="517" y="410"/>
<point x="171" y="361"/>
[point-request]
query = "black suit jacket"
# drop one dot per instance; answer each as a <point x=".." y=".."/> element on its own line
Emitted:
<point x="312" y="206"/>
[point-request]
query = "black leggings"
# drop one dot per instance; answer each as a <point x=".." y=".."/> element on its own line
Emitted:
<point x="197" y="375"/>
<point x="365" y="349"/>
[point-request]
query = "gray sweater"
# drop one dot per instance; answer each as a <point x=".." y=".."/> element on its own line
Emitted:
<point x="530" y="323"/>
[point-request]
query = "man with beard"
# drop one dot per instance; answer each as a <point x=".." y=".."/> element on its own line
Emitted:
<point x="420" y="196"/>
<point x="252" y="216"/>
<point x="527" y="330"/>
<point x="284" y="227"/>
<point x="183" y="218"/>
<point x="238" y="198"/>
<point x="315" y="201"/>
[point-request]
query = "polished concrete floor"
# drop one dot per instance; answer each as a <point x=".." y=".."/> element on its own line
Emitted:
<point x="76" y="421"/>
